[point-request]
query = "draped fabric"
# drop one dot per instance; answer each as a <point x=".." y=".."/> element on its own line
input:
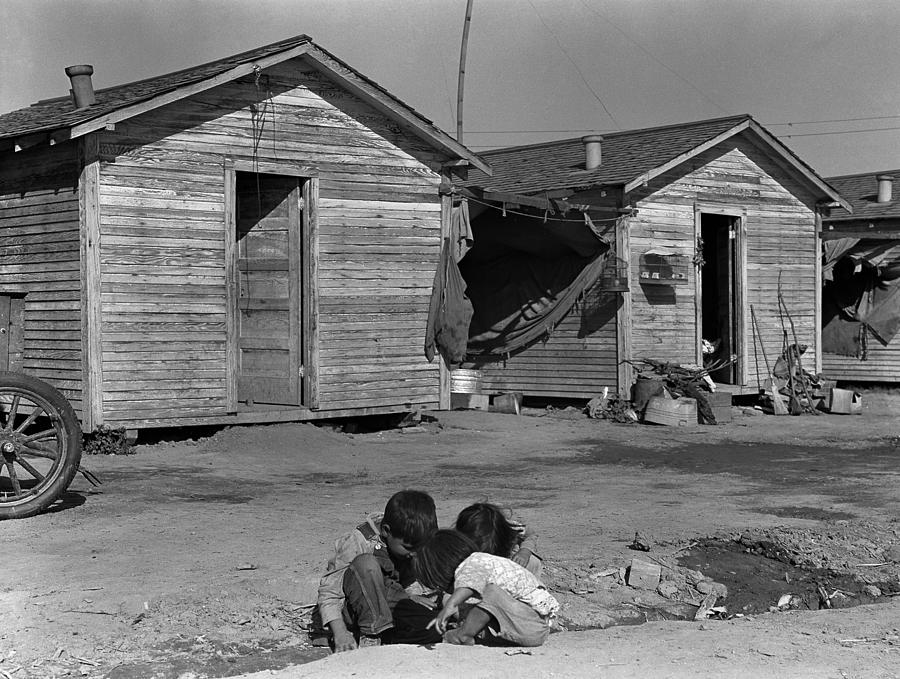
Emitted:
<point x="524" y="274"/>
<point x="861" y="294"/>
<point x="449" y="312"/>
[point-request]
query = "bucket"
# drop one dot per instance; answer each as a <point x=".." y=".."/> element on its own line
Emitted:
<point x="463" y="381"/>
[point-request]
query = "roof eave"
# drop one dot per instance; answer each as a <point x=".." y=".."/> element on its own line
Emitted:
<point x="391" y="106"/>
<point x="771" y="142"/>
<point x="178" y="93"/>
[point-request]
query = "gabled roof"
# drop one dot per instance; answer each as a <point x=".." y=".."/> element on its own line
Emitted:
<point x="629" y="158"/>
<point x="57" y="120"/>
<point x="860" y="190"/>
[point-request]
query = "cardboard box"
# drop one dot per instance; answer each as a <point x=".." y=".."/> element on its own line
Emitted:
<point x="844" y="402"/>
<point x="674" y="412"/>
<point x="720" y="402"/>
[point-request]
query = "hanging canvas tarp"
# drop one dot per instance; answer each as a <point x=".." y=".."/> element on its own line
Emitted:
<point x="524" y="274"/>
<point x="861" y="294"/>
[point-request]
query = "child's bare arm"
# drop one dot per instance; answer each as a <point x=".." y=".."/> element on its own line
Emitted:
<point x="451" y="608"/>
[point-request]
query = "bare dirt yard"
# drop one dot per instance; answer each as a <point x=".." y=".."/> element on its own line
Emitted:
<point x="198" y="557"/>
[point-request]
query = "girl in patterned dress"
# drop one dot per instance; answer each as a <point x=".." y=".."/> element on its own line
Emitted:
<point x="491" y="597"/>
<point x="492" y="531"/>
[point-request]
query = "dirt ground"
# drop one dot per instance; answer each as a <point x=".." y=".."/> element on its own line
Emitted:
<point x="199" y="557"/>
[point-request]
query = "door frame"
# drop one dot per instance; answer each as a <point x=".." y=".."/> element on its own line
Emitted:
<point x="739" y="214"/>
<point x="307" y="281"/>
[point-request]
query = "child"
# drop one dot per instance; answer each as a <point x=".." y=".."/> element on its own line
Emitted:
<point x="506" y="601"/>
<point x="489" y="528"/>
<point x="369" y="588"/>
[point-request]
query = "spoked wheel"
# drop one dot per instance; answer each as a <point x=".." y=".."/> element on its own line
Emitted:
<point x="40" y="445"/>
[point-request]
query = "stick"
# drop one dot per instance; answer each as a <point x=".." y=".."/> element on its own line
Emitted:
<point x="758" y="336"/>
<point x="782" y="303"/>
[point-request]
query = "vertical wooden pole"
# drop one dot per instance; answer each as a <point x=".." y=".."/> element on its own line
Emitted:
<point x="817" y="316"/>
<point x="462" y="71"/>
<point x="623" y="314"/>
<point x="231" y="289"/>
<point x="444" y="375"/>
<point x="310" y="262"/>
<point x="89" y="233"/>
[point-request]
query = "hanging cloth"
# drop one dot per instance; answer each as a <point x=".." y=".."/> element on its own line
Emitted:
<point x="461" y="235"/>
<point x="449" y="312"/>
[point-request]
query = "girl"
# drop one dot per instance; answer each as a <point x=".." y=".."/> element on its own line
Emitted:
<point x="490" y="595"/>
<point x="492" y="532"/>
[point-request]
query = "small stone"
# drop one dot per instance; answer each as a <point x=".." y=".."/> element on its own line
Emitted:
<point x="710" y="587"/>
<point x="872" y="590"/>
<point x="892" y="553"/>
<point x="668" y="589"/>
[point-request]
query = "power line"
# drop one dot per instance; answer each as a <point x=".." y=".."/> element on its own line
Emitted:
<point x="835" y="120"/>
<point x="648" y="53"/>
<point x="572" y="61"/>
<point x="822" y="134"/>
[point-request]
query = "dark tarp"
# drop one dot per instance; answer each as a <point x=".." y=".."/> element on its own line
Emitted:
<point x="450" y="311"/>
<point x="861" y="294"/>
<point x="524" y="274"/>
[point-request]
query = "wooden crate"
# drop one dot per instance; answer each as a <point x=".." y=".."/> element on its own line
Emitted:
<point x="674" y="412"/>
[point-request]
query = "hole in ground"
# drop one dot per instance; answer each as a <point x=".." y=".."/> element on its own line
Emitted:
<point x="757" y="578"/>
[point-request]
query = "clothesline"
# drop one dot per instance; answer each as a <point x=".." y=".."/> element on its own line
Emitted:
<point x="525" y="214"/>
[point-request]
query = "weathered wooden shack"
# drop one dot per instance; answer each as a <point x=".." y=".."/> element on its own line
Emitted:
<point x="706" y="222"/>
<point x="249" y="240"/>
<point x="861" y="281"/>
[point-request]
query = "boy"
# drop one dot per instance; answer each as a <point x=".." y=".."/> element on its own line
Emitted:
<point x="369" y="590"/>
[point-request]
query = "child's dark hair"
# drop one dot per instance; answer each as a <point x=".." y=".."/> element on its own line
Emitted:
<point x="486" y="525"/>
<point x="411" y="516"/>
<point x="436" y="561"/>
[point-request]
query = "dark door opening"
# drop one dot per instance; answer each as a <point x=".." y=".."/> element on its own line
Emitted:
<point x="268" y="221"/>
<point x="719" y="285"/>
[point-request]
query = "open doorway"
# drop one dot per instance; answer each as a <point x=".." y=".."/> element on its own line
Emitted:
<point x="721" y="318"/>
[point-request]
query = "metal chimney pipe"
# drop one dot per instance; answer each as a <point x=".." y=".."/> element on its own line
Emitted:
<point x="885" y="187"/>
<point x="82" y="87"/>
<point x="592" y="147"/>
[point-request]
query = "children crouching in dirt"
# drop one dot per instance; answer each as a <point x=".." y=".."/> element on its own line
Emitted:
<point x="369" y="593"/>
<point x="389" y="580"/>
<point x="493" y="599"/>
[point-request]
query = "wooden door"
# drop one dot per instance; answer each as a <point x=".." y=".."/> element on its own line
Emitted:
<point x="268" y="223"/>
<point x="11" y="336"/>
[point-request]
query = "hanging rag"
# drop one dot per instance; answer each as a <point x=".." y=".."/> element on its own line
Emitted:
<point x="461" y="235"/>
<point x="449" y="312"/>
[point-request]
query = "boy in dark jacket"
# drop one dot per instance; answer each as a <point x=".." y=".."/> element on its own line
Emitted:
<point x="369" y="592"/>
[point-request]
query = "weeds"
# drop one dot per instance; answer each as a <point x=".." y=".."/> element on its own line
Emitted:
<point x="105" y="440"/>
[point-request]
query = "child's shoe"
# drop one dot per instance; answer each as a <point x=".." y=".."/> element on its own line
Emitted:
<point x="366" y="641"/>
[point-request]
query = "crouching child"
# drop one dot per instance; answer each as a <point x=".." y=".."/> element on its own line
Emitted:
<point x="491" y="597"/>
<point x="369" y="592"/>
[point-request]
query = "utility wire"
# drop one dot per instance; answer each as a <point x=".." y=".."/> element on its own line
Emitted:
<point x="822" y="134"/>
<point x="572" y="61"/>
<point x="658" y="61"/>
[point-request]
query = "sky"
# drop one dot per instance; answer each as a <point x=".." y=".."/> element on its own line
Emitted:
<point x="824" y="72"/>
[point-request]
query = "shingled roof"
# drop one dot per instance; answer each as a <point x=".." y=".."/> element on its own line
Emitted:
<point x="860" y="190"/>
<point x="60" y="120"/>
<point x="630" y="158"/>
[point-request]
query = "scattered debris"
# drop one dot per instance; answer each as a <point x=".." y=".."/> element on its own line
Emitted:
<point x="246" y="567"/>
<point x="640" y="543"/>
<point x="518" y="651"/>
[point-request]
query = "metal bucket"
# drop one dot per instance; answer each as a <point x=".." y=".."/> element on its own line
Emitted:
<point x="463" y="381"/>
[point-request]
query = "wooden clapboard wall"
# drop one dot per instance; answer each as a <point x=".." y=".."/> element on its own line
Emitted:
<point x="882" y="364"/>
<point x="163" y="286"/>
<point x="780" y="228"/>
<point x="576" y="360"/>
<point x="39" y="261"/>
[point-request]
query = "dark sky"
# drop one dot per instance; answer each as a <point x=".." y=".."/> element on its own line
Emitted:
<point x="536" y="70"/>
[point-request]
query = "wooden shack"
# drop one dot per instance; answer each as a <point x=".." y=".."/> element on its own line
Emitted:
<point x="706" y="221"/>
<point x="250" y="240"/>
<point x="861" y="280"/>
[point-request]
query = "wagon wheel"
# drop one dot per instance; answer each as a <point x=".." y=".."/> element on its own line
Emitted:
<point x="40" y="445"/>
